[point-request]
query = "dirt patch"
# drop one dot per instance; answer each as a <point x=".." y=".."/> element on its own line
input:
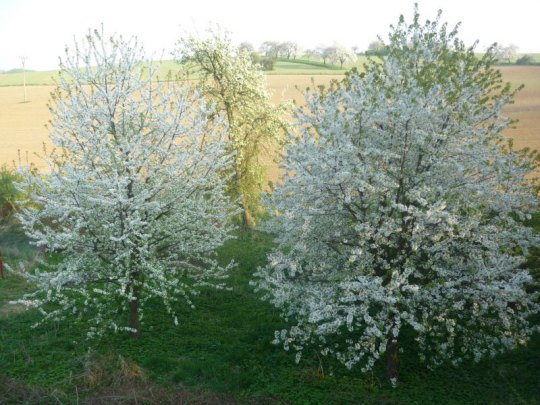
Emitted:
<point x="13" y="391"/>
<point x="11" y="309"/>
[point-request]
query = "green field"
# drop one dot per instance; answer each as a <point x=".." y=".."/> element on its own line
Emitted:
<point x="222" y="353"/>
<point x="281" y="67"/>
<point x="32" y="78"/>
<point x="311" y="67"/>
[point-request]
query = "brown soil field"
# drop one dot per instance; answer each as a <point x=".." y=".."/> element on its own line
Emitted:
<point x="23" y="132"/>
<point x="22" y="125"/>
<point x="526" y="109"/>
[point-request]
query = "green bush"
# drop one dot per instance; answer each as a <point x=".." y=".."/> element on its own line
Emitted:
<point x="267" y="64"/>
<point x="525" y="60"/>
<point x="8" y="192"/>
<point x="255" y="57"/>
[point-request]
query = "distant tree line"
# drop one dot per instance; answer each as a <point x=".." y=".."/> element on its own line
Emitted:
<point x="270" y="51"/>
<point x="337" y="54"/>
<point x="508" y="54"/>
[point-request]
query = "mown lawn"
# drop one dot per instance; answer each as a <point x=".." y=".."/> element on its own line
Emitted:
<point x="222" y="353"/>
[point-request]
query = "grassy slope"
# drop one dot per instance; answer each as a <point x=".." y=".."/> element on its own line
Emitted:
<point x="223" y="348"/>
<point x="32" y="78"/>
<point x="281" y="67"/>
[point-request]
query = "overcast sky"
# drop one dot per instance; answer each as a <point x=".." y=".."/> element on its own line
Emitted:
<point x="40" y="29"/>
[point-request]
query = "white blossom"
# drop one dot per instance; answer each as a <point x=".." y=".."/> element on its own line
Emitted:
<point x="134" y="200"/>
<point x="401" y="207"/>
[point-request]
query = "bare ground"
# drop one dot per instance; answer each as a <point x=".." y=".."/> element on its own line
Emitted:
<point x="23" y="133"/>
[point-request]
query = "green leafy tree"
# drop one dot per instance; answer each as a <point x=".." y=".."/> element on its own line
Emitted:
<point x="229" y="78"/>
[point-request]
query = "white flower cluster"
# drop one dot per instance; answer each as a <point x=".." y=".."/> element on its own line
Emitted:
<point x="401" y="207"/>
<point x="134" y="199"/>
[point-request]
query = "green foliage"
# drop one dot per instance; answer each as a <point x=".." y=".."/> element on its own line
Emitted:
<point x="533" y="259"/>
<point x="14" y="248"/>
<point x="525" y="60"/>
<point x="229" y="79"/>
<point x="376" y="48"/>
<point x="223" y="351"/>
<point x="14" y="245"/>
<point x="267" y="64"/>
<point x="8" y="192"/>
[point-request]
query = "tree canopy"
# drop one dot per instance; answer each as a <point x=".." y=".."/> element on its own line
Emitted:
<point x="402" y="207"/>
<point x="229" y="78"/>
<point x="134" y="201"/>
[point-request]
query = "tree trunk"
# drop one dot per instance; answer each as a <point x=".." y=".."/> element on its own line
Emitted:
<point x="392" y="356"/>
<point x="247" y="219"/>
<point x="134" y="321"/>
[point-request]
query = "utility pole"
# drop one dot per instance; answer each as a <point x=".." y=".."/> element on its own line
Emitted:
<point x="23" y="61"/>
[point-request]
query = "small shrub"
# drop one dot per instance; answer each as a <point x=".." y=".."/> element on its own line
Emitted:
<point x="267" y="64"/>
<point x="525" y="60"/>
<point x="8" y="192"/>
<point x="255" y="57"/>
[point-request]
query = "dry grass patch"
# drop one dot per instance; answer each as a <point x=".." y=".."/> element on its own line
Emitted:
<point x="11" y="309"/>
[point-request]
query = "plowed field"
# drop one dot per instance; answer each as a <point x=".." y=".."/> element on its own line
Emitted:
<point x="23" y="132"/>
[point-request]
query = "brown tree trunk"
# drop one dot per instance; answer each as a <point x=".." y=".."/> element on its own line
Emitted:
<point x="392" y="356"/>
<point x="134" y="321"/>
<point x="247" y="219"/>
<point x="392" y="359"/>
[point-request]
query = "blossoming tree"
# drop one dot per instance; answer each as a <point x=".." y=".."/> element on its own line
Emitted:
<point x="229" y="78"/>
<point x="134" y="198"/>
<point x="401" y="207"/>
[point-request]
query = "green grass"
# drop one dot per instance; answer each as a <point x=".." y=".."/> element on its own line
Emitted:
<point x="39" y="78"/>
<point x="303" y="67"/>
<point x="34" y="78"/>
<point x="222" y="350"/>
<point x="281" y="67"/>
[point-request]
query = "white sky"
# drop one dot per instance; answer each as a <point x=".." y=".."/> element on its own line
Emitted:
<point x="40" y="29"/>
